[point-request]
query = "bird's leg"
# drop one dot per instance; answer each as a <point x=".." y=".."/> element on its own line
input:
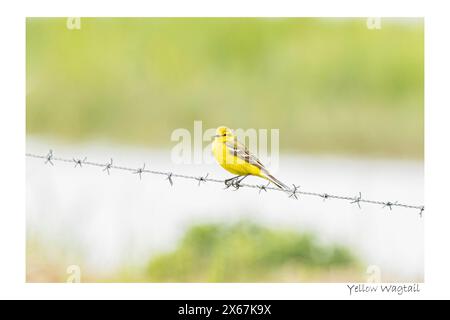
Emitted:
<point x="230" y="182"/>
<point x="236" y="183"/>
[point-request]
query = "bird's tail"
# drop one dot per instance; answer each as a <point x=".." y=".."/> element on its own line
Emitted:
<point x="277" y="182"/>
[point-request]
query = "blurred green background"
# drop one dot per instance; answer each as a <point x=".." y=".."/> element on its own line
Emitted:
<point x="329" y="85"/>
<point x="219" y="252"/>
<point x="246" y="252"/>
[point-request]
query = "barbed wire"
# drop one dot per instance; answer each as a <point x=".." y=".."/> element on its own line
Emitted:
<point x="294" y="192"/>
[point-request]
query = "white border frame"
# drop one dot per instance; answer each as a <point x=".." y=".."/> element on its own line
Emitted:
<point x="12" y="211"/>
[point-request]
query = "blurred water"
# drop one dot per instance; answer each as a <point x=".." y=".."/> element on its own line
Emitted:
<point x="117" y="220"/>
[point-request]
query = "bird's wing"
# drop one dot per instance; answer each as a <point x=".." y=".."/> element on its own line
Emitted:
<point x="239" y="150"/>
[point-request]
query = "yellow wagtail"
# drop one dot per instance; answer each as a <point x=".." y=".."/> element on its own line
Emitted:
<point x="235" y="158"/>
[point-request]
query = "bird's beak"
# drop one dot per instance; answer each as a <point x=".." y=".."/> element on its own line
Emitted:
<point x="216" y="136"/>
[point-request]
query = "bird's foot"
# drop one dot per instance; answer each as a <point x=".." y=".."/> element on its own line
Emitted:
<point x="236" y="183"/>
<point x="231" y="182"/>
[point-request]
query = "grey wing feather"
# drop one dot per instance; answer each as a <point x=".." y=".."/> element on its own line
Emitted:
<point x="239" y="150"/>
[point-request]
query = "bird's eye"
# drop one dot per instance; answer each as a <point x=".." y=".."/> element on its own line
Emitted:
<point x="224" y="135"/>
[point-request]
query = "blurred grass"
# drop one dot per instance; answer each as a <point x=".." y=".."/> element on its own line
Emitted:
<point x="330" y="85"/>
<point x="239" y="252"/>
<point x="246" y="252"/>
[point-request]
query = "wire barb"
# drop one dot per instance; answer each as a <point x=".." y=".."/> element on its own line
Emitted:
<point x="294" y="192"/>
<point x="169" y="177"/>
<point x="139" y="171"/>
<point x="390" y="204"/>
<point x="79" y="162"/>
<point x="235" y="182"/>
<point x="262" y="187"/>
<point x="108" y="166"/>
<point x="357" y="200"/>
<point x="49" y="157"/>
<point x="202" y="179"/>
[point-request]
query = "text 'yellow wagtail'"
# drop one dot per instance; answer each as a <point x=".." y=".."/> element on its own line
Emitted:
<point x="235" y="158"/>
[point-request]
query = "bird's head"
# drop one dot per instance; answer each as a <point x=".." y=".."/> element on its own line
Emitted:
<point x="223" y="133"/>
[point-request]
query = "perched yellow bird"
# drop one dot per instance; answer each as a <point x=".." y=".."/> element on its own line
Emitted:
<point x="235" y="158"/>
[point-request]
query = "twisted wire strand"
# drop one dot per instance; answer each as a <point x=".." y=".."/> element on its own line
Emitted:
<point x="293" y="192"/>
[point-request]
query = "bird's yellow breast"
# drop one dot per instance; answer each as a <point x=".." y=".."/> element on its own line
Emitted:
<point x="231" y="162"/>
